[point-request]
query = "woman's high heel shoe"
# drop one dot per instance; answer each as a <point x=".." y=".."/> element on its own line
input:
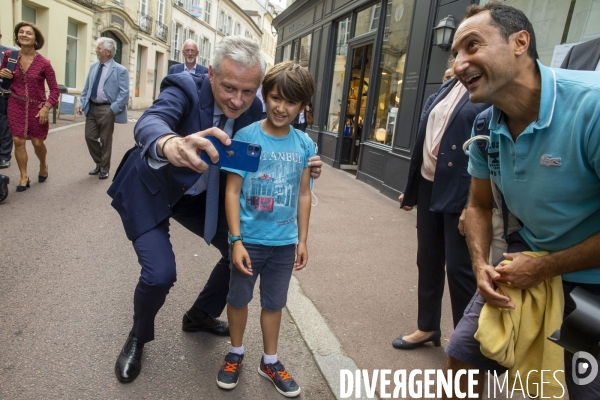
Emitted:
<point x="23" y="188"/>
<point x="43" y="178"/>
<point x="400" y="343"/>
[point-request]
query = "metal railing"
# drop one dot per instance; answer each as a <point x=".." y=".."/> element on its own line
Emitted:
<point x="161" y="31"/>
<point x="145" y="22"/>
<point x="176" y="55"/>
<point x="86" y="3"/>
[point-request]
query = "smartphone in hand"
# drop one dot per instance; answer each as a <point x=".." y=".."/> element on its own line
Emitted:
<point x="239" y="155"/>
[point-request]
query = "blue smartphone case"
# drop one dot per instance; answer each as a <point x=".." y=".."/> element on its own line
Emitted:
<point x="239" y="155"/>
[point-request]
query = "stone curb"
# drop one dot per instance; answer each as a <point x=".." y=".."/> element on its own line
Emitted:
<point x="320" y="340"/>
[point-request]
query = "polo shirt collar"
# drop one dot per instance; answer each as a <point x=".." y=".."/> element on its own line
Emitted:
<point x="547" y="100"/>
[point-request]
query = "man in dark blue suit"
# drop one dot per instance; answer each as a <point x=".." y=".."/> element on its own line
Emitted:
<point x="190" y="53"/>
<point x="162" y="178"/>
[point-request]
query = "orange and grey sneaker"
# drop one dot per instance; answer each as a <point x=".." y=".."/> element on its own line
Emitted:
<point x="284" y="383"/>
<point x="229" y="374"/>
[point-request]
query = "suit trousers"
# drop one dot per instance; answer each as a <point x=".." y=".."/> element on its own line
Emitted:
<point x="156" y="257"/>
<point x="440" y="243"/>
<point x="6" y="140"/>
<point x="99" y="127"/>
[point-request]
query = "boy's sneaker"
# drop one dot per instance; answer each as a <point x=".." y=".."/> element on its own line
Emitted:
<point x="284" y="383"/>
<point x="229" y="374"/>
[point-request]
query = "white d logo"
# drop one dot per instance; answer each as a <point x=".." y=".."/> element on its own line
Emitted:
<point x="583" y="367"/>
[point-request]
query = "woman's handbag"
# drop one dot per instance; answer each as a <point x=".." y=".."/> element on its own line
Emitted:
<point x="310" y="119"/>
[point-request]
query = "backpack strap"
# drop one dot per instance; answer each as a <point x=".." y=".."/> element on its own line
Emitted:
<point x="11" y="64"/>
<point x="482" y="128"/>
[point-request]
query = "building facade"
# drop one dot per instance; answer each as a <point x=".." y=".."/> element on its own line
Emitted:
<point x="149" y="34"/>
<point x="374" y="64"/>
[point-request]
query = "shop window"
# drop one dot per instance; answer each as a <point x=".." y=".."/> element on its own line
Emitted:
<point x="71" y="60"/>
<point x="287" y="53"/>
<point x="367" y="20"/>
<point x="391" y="71"/>
<point x="304" y="57"/>
<point x="337" y="81"/>
<point x="555" y="29"/>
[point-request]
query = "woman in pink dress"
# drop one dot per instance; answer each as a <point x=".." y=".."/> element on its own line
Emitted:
<point x="28" y="106"/>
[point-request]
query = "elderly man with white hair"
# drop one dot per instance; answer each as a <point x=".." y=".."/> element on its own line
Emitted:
<point x="190" y="54"/>
<point x="104" y="102"/>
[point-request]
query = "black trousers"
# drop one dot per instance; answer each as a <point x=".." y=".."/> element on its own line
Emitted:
<point x="440" y="244"/>
<point x="6" y="140"/>
<point x="156" y="257"/>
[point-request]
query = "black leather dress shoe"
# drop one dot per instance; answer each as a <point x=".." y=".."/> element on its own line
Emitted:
<point x="197" y="320"/>
<point x="4" y="181"/>
<point x="4" y="163"/>
<point x="129" y="362"/>
<point x="103" y="175"/>
<point x="95" y="171"/>
<point x="402" y="344"/>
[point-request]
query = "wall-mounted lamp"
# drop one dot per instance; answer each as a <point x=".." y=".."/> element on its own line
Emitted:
<point x="443" y="33"/>
<point x="273" y="30"/>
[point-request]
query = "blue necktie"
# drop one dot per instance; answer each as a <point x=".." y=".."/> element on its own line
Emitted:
<point x="211" y="214"/>
<point x="94" y="93"/>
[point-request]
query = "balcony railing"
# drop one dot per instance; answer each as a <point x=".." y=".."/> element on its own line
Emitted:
<point x="86" y="3"/>
<point x="176" y="55"/>
<point x="161" y="31"/>
<point x="145" y="22"/>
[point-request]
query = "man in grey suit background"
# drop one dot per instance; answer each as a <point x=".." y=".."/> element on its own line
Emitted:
<point x="190" y="53"/>
<point x="583" y="56"/>
<point x="6" y="140"/>
<point x="104" y="102"/>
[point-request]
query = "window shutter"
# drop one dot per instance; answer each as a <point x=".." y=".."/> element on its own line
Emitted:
<point x="173" y="42"/>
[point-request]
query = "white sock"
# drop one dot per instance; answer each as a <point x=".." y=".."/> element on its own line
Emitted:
<point x="269" y="359"/>
<point x="237" y="350"/>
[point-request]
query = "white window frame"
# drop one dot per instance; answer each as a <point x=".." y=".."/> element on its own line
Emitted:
<point x="144" y="7"/>
<point x="207" y="5"/>
<point x="221" y="21"/>
<point x="34" y="12"/>
<point x="76" y="38"/>
<point x="160" y="12"/>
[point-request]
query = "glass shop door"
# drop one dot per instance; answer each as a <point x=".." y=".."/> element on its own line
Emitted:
<point x="354" y="116"/>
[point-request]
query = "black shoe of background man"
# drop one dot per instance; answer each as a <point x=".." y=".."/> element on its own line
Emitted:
<point x="4" y="164"/>
<point x="95" y="171"/>
<point x="196" y="320"/>
<point x="103" y="175"/>
<point x="4" y="181"/>
<point x="129" y="362"/>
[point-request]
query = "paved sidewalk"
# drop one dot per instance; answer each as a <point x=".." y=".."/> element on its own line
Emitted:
<point x="69" y="272"/>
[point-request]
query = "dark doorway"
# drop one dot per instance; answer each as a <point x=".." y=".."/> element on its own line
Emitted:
<point x="358" y="86"/>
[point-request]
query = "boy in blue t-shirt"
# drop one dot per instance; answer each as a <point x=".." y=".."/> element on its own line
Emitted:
<point x="267" y="213"/>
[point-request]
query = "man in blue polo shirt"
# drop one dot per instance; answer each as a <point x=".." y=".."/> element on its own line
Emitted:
<point x="544" y="155"/>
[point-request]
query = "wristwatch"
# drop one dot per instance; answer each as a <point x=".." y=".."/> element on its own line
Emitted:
<point x="233" y="239"/>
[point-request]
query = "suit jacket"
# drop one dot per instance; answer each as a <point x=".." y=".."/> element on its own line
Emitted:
<point x="583" y="56"/>
<point x="451" y="180"/>
<point x="177" y="68"/>
<point x="116" y="89"/>
<point x="142" y="195"/>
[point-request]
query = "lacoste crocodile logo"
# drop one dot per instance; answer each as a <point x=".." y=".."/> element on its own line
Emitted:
<point x="547" y="161"/>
